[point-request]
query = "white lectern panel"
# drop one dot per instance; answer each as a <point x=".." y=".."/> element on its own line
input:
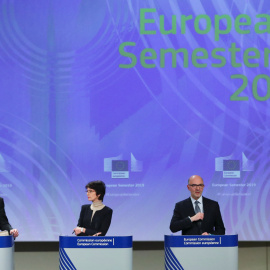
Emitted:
<point x="204" y="252"/>
<point x="7" y="252"/>
<point x="102" y="253"/>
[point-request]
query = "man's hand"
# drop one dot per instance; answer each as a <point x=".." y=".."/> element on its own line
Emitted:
<point x="198" y="216"/>
<point x="205" y="233"/>
<point x="14" y="232"/>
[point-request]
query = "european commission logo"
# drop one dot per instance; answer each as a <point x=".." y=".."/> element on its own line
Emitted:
<point x="231" y="167"/>
<point x="119" y="168"/>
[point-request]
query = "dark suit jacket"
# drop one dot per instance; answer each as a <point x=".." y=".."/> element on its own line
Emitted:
<point x="4" y="224"/>
<point x="212" y="222"/>
<point x="100" y="222"/>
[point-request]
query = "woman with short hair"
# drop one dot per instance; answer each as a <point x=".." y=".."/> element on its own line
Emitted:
<point x="95" y="218"/>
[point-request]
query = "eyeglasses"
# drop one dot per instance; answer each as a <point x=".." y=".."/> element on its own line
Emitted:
<point x="199" y="186"/>
<point x="90" y="191"/>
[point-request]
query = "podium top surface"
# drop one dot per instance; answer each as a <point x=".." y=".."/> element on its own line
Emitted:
<point x="6" y="241"/>
<point x="201" y="241"/>
<point x="95" y="241"/>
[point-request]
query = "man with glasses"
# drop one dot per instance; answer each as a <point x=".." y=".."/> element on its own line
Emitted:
<point x="197" y="215"/>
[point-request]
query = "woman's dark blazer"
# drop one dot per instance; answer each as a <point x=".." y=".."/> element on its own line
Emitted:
<point x="100" y="223"/>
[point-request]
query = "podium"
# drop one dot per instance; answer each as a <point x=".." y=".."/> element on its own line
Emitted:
<point x="204" y="252"/>
<point x="95" y="252"/>
<point x="7" y="252"/>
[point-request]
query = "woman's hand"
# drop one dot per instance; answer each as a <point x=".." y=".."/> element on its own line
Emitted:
<point x="79" y="230"/>
<point x="97" y="234"/>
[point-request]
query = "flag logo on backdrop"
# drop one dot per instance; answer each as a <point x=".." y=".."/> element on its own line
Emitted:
<point x="119" y="167"/>
<point x="232" y="167"/>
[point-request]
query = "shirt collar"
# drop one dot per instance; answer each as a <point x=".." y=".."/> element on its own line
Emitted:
<point x="200" y="200"/>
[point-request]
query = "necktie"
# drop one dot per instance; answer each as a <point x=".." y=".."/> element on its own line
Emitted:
<point x="197" y="207"/>
<point x="197" y="210"/>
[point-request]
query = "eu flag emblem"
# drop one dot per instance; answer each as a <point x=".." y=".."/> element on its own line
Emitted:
<point x="119" y="165"/>
<point x="231" y="165"/>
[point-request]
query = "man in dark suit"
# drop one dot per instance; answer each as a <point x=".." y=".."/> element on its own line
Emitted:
<point x="4" y="224"/>
<point x="197" y="215"/>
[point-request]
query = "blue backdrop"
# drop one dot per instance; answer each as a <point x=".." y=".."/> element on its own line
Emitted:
<point x="70" y="114"/>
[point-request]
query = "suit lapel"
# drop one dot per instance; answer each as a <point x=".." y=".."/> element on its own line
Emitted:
<point x="88" y="214"/>
<point x="205" y="210"/>
<point x="190" y="208"/>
